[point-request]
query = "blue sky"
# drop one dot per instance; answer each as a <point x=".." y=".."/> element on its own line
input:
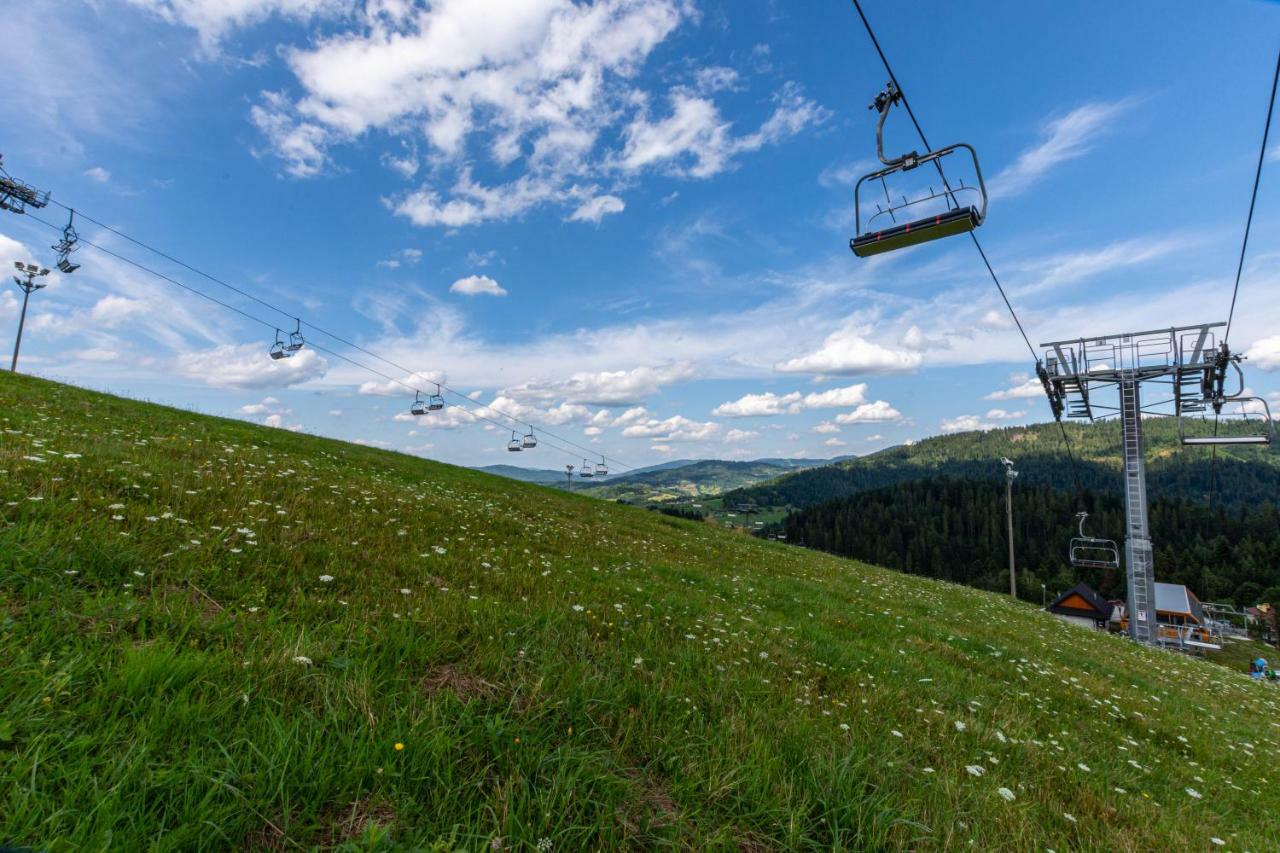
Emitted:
<point x="628" y="219"/>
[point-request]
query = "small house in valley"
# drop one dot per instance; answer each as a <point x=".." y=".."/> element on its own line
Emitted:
<point x="1080" y="605"/>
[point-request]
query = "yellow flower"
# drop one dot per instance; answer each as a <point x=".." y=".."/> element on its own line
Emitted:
<point x="399" y="747"/>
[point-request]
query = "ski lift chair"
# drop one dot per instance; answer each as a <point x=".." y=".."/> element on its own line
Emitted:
<point x="515" y="445"/>
<point x="898" y="225"/>
<point x="279" y="349"/>
<point x="419" y="405"/>
<point x="436" y="401"/>
<point x="67" y="245"/>
<point x="1252" y="415"/>
<point x="586" y="471"/>
<point x="530" y="441"/>
<point x="295" y="338"/>
<point x="1090" y="553"/>
<point x="602" y="470"/>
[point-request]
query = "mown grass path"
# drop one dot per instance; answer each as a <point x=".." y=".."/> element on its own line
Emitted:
<point x="214" y="636"/>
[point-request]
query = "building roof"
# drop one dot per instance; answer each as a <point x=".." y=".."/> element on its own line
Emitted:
<point x="1081" y="600"/>
<point x="1176" y="598"/>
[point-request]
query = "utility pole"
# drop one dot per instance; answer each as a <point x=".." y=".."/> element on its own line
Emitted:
<point x="1009" y="476"/>
<point x="29" y="281"/>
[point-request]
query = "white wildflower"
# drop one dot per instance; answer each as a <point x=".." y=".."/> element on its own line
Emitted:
<point x="975" y="769"/>
<point x="326" y="579"/>
<point x="302" y="659"/>
<point x="1194" y="794"/>
<point x="1006" y="793"/>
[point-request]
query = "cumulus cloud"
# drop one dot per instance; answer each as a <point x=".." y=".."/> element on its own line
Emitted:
<point x="769" y="403"/>
<point x="870" y="413"/>
<point x="1023" y="387"/>
<point x="826" y="428"/>
<point x="597" y="208"/>
<point x="759" y="405"/>
<point x="98" y="174"/>
<point x="965" y="423"/>
<point x="247" y="366"/>
<point x="1004" y="415"/>
<point x="1264" y="354"/>
<point x="474" y="285"/>
<point x="736" y="435"/>
<point x="605" y="388"/>
<point x="847" y="353"/>
<point x="674" y="428"/>
<point x="425" y="381"/>
<point x="693" y="140"/>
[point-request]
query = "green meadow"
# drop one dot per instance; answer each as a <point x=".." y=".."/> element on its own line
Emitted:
<point x="217" y="636"/>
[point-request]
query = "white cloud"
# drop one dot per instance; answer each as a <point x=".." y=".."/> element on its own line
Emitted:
<point x="674" y="428"/>
<point x="837" y="398"/>
<point x="695" y="141"/>
<point x="1264" y="353"/>
<point x="424" y="381"/>
<point x="1003" y="415"/>
<point x="846" y="353"/>
<point x="826" y="428"/>
<point x="834" y="442"/>
<point x="111" y="310"/>
<point x="965" y="423"/>
<point x="248" y="366"/>
<point x="1065" y="138"/>
<point x="870" y="413"/>
<point x="736" y="435"/>
<point x="212" y="19"/>
<point x="605" y="388"/>
<point x="474" y="285"/>
<point x="98" y="174"/>
<point x="597" y="208"/>
<point x="1073" y="267"/>
<point x="1023" y="387"/>
<point x="915" y="339"/>
<point x="759" y="405"/>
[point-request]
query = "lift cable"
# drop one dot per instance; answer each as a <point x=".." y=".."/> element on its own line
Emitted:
<point x="1253" y="198"/>
<point x="331" y="335"/>
<point x="575" y="454"/>
<point x="1244" y="245"/>
<point x="976" y="244"/>
<point x="906" y="103"/>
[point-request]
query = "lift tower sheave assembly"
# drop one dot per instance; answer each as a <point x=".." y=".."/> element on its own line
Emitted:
<point x="1074" y="373"/>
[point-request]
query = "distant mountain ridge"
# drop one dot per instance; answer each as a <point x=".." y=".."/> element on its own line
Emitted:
<point x="672" y="480"/>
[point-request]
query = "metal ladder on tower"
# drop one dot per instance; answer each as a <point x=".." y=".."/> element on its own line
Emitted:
<point x="1137" y="541"/>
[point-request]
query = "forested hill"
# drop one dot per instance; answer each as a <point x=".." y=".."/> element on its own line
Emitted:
<point x="955" y="530"/>
<point x="1244" y="476"/>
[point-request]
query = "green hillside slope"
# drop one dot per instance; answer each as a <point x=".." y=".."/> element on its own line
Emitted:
<point x="1243" y="475"/>
<point x="704" y="478"/>
<point x="218" y="636"/>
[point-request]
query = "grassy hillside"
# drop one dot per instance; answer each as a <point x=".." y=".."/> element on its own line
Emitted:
<point x="219" y="636"/>
<point x="704" y="478"/>
<point x="1243" y="475"/>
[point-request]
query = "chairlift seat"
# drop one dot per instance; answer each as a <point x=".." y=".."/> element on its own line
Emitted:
<point x="436" y="404"/>
<point x="958" y="220"/>
<point x="514" y="445"/>
<point x="278" y="351"/>
<point x="1194" y="440"/>
<point x="419" y="407"/>
<point x="530" y="441"/>
<point x="67" y="267"/>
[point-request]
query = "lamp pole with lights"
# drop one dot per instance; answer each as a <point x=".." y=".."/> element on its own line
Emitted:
<point x="1009" y="476"/>
<point x="29" y="279"/>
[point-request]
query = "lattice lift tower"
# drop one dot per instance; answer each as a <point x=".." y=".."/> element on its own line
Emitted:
<point x="1194" y="368"/>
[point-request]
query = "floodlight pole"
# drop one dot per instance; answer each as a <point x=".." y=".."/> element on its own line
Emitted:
<point x="1009" y="476"/>
<point x="568" y="474"/>
<point x="28" y="283"/>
